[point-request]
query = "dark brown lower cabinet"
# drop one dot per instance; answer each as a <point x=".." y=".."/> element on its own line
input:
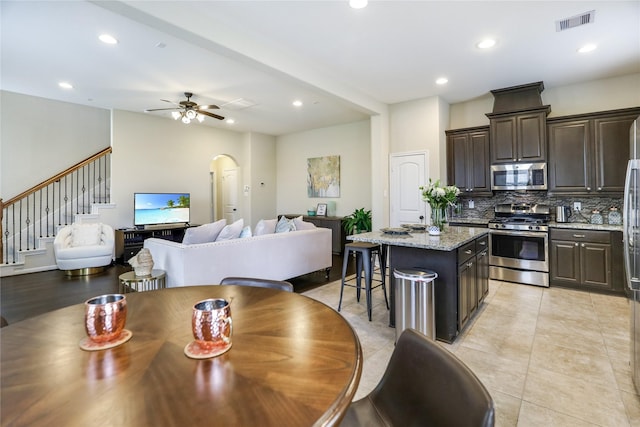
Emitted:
<point x="473" y="278"/>
<point x="586" y="259"/>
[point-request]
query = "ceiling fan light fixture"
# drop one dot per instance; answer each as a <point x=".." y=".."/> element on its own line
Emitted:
<point x="191" y="114"/>
<point x="186" y="120"/>
<point x="176" y="115"/>
<point x="200" y="117"/>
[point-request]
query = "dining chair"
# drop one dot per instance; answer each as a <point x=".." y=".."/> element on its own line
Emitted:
<point x="261" y="283"/>
<point x="3" y="322"/>
<point x="423" y="385"/>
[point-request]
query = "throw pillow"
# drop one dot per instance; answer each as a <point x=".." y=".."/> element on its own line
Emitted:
<point x="204" y="233"/>
<point x="265" y="226"/>
<point x="86" y="234"/>
<point x="285" y="225"/>
<point x="303" y="225"/>
<point x="246" y="232"/>
<point x="231" y="231"/>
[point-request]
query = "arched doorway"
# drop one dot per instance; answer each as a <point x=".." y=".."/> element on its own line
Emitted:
<point x="225" y="199"/>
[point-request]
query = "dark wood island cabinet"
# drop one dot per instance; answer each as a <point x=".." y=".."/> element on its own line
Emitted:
<point x="459" y="256"/>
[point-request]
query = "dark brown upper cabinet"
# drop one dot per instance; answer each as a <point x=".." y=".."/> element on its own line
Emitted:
<point x="468" y="163"/>
<point x="518" y="124"/>
<point x="588" y="153"/>
<point x="518" y="137"/>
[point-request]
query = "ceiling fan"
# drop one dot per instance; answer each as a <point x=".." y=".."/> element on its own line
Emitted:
<point x="189" y="110"/>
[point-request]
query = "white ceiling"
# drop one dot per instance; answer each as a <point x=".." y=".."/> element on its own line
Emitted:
<point x="344" y="64"/>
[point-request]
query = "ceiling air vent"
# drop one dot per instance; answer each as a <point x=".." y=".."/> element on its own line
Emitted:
<point x="576" y="21"/>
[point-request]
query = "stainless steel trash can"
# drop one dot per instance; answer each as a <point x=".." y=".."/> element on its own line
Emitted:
<point x="414" y="299"/>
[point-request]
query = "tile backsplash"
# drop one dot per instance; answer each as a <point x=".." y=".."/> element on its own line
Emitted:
<point x="483" y="206"/>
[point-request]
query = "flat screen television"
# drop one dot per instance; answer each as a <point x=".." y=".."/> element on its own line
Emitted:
<point x="160" y="208"/>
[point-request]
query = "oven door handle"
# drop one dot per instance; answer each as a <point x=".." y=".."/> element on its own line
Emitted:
<point x="520" y="233"/>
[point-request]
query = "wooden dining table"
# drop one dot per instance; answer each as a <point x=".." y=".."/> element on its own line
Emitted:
<point x="293" y="362"/>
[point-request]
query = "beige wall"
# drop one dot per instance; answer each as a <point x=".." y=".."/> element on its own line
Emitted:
<point x="261" y="178"/>
<point x="154" y="154"/>
<point x="419" y="125"/>
<point x="40" y="137"/>
<point x="351" y="142"/>
<point x="597" y="95"/>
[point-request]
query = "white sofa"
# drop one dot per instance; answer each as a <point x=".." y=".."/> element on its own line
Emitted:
<point x="278" y="256"/>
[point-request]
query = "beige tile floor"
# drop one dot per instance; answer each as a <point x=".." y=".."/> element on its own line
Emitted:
<point x="548" y="356"/>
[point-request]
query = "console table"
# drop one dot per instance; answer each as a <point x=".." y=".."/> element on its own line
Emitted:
<point x="129" y="241"/>
<point x="334" y="223"/>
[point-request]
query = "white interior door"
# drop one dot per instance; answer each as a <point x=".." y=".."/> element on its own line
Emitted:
<point x="408" y="172"/>
<point x="230" y="194"/>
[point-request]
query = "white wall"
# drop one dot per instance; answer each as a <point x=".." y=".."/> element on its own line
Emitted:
<point x="154" y="154"/>
<point x="40" y="137"/>
<point x="596" y="95"/>
<point x="419" y="125"/>
<point x="350" y="141"/>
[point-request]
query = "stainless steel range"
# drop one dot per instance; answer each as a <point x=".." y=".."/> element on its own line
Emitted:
<point x="519" y="244"/>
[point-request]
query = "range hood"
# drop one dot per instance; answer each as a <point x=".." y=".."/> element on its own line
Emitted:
<point x="517" y="99"/>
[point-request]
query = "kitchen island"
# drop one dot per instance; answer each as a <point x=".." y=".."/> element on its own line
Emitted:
<point x="461" y="259"/>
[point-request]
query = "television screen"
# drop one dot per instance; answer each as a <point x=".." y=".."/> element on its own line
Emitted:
<point x="160" y="208"/>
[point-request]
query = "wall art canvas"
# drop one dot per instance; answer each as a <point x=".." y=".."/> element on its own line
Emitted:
<point x="323" y="176"/>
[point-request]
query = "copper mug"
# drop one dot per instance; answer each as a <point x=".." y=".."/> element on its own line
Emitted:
<point x="211" y="324"/>
<point x="105" y="317"/>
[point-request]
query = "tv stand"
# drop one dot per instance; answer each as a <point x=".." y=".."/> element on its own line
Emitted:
<point x="129" y="241"/>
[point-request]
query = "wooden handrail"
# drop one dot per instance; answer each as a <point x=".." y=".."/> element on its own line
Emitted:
<point x="55" y="178"/>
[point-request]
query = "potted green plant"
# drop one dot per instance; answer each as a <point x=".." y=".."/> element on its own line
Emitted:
<point x="358" y="222"/>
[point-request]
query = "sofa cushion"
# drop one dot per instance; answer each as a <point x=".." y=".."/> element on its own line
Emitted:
<point x="204" y="233"/>
<point x="231" y="231"/>
<point x="285" y="225"/>
<point x="265" y="226"/>
<point x="303" y="225"/>
<point x="85" y="234"/>
<point x="246" y="232"/>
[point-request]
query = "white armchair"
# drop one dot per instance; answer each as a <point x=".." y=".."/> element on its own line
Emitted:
<point x="84" y="248"/>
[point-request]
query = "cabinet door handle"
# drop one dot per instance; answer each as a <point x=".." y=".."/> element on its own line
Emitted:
<point x="576" y="243"/>
<point x="468" y="252"/>
<point x="599" y="188"/>
<point x="470" y="264"/>
<point x="578" y="236"/>
<point x="582" y="245"/>
<point x="483" y="243"/>
<point x="588" y="188"/>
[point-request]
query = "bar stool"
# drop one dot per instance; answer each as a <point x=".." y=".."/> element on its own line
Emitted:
<point x="365" y="253"/>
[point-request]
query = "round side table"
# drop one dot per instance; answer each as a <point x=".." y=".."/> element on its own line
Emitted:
<point x="130" y="282"/>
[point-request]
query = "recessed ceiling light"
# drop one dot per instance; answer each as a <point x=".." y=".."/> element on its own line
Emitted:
<point x="486" y="44"/>
<point x="297" y="103"/>
<point x="358" y="4"/>
<point x="230" y="121"/>
<point x="442" y="81"/>
<point x="108" y="39"/>
<point x="587" y="48"/>
<point x="65" y="85"/>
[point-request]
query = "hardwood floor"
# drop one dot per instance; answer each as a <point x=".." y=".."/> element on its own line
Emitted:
<point x="30" y="295"/>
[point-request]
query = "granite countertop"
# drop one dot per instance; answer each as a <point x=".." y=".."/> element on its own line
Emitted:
<point x="450" y="239"/>
<point x="585" y="226"/>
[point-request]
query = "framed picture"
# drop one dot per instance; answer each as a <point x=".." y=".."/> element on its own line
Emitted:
<point x="321" y="210"/>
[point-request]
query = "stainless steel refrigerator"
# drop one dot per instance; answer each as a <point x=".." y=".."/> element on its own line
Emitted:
<point x="631" y="233"/>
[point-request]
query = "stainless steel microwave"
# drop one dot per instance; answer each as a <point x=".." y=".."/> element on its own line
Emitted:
<point x="519" y="176"/>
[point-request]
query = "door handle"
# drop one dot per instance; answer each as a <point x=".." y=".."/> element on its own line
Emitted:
<point x="578" y="236"/>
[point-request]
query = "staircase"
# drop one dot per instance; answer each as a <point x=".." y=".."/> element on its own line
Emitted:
<point x="30" y="221"/>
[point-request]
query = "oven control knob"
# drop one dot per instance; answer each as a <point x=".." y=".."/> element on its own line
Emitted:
<point x="504" y="226"/>
<point x="531" y="227"/>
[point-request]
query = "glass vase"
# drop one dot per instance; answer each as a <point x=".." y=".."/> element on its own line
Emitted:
<point x="438" y="218"/>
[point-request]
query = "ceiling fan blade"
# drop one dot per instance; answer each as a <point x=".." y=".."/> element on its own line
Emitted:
<point x="170" y="102"/>
<point x="161" y="109"/>
<point x="208" y="107"/>
<point x="215" y="116"/>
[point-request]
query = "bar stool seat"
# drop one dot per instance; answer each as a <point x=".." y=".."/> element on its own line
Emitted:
<point x="365" y="253"/>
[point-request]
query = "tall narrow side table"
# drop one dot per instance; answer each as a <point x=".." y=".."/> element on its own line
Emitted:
<point x="130" y="282"/>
